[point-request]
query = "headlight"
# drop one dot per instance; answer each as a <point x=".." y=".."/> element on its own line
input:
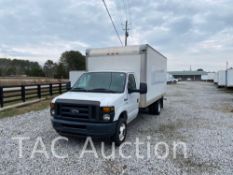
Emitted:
<point x="106" y="117"/>
<point x="107" y="113"/>
<point x="52" y="109"/>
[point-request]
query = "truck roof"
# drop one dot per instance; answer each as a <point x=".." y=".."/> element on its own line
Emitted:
<point x="133" y="49"/>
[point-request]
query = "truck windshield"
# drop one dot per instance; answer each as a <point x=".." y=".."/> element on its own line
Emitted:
<point x="111" y="82"/>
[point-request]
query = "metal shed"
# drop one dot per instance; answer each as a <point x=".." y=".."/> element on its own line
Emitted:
<point x="188" y="75"/>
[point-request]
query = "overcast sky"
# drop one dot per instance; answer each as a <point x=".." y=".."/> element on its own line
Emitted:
<point x="189" y="32"/>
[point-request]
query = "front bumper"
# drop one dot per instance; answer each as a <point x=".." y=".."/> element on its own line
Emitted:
<point x="67" y="127"/>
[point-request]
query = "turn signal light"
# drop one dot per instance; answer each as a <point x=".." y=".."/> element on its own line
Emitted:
<point x="107" y="109"/>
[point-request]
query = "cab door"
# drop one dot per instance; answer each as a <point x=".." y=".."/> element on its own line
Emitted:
<point x="133" y="98"/>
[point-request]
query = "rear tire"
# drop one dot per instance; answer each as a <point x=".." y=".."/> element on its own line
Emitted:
<point x="151" y="109"/>
<point x="161" y="101"/>
<point x="121" y="132"/>
<point x="155" y="108"/>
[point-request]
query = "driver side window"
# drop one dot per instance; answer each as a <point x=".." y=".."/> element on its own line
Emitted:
<point x="132" y="82"/>
<point x="83" y="81"/>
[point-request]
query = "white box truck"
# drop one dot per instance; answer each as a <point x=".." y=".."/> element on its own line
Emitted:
<point x="118" y="82"/>
<point x="230" y="77"/>
<point x="171" y="79"/>
<point x="208" y="77"/>
<point x="74" y="76"/>
<point x="204" y="77"/>
<point x="222" y="78"/>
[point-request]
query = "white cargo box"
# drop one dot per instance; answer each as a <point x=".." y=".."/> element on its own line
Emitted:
<point x="169" y="77"/>
<point x="204" y="77"/>
<point x="211" y="76"/>
<point x="74" y="76"/>
<point x="222" y="78"/>
<point x="230" y="78"/>
<point x="208" y="77"/>
<point x="148" y="65"/>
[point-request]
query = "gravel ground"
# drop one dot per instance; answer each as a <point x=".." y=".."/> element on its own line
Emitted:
<point x="195" y="113"/>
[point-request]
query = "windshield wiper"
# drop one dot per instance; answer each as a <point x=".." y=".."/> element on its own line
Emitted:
<point x="79" y="89"/>
<point x="102" y="90"/>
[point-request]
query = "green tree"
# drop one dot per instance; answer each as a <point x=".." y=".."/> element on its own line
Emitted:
<point x="200" y="69"/>
<point x="73" y="60"/>
<point x="20" y="67"/>
<point x="11" y="71"/>
<point x="35" y="70"/>
<point x="49" y="68"/>
<point x="60" y="71"/>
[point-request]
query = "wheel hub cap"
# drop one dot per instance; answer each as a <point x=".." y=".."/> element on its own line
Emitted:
<point x="122" y="132"/>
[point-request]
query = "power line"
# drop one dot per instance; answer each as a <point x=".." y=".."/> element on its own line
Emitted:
<point x="129" y="12"/>
<point x="126" y="9"/>
<point x="119" y="22"/>
<point x="130" y="15"/>
<point x="120" y="9"/>
<point x="127" y="18"/>
<point x="112" y="22"/>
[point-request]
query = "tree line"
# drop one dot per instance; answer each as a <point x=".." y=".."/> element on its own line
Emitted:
<point x="69" y="60"/>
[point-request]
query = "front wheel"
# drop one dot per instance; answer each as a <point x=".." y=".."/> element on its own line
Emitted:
<point x="121" y="131"/>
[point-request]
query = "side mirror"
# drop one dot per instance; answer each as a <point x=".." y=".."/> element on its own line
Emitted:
<point x="132" y="90"/>
<point x="143" y="88"/>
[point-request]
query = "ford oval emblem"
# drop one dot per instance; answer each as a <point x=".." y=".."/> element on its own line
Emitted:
<point x="75" y="111"/>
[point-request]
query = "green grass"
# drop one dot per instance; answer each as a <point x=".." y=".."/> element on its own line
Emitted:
<point x="24" y="109"/>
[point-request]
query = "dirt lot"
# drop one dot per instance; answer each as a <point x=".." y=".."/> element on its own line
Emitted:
<point x="195" y="113"/>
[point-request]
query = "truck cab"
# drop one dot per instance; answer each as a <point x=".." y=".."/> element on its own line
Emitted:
<point x="98" y="104"/>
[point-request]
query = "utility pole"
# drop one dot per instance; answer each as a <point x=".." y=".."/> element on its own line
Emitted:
<point x="126" y="32"/>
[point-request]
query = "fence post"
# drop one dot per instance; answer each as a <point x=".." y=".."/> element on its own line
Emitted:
<point x="23" y="93"/>
<point x="1" y="97"/>
<point x="68" y="86"/>
<point x="60" y="90"/>
<point x="51" y="89"/>
<point x="39" y="91"/>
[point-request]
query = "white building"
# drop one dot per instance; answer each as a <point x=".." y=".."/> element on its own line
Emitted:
<point x="208" y="77"/>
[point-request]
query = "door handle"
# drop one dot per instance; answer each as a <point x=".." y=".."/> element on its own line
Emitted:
<point x="126" y="99"/>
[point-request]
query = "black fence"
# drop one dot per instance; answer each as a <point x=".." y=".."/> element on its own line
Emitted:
<point x="17" y="94"/>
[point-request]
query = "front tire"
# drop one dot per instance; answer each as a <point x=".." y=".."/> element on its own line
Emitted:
<point x="121" y="132"/>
